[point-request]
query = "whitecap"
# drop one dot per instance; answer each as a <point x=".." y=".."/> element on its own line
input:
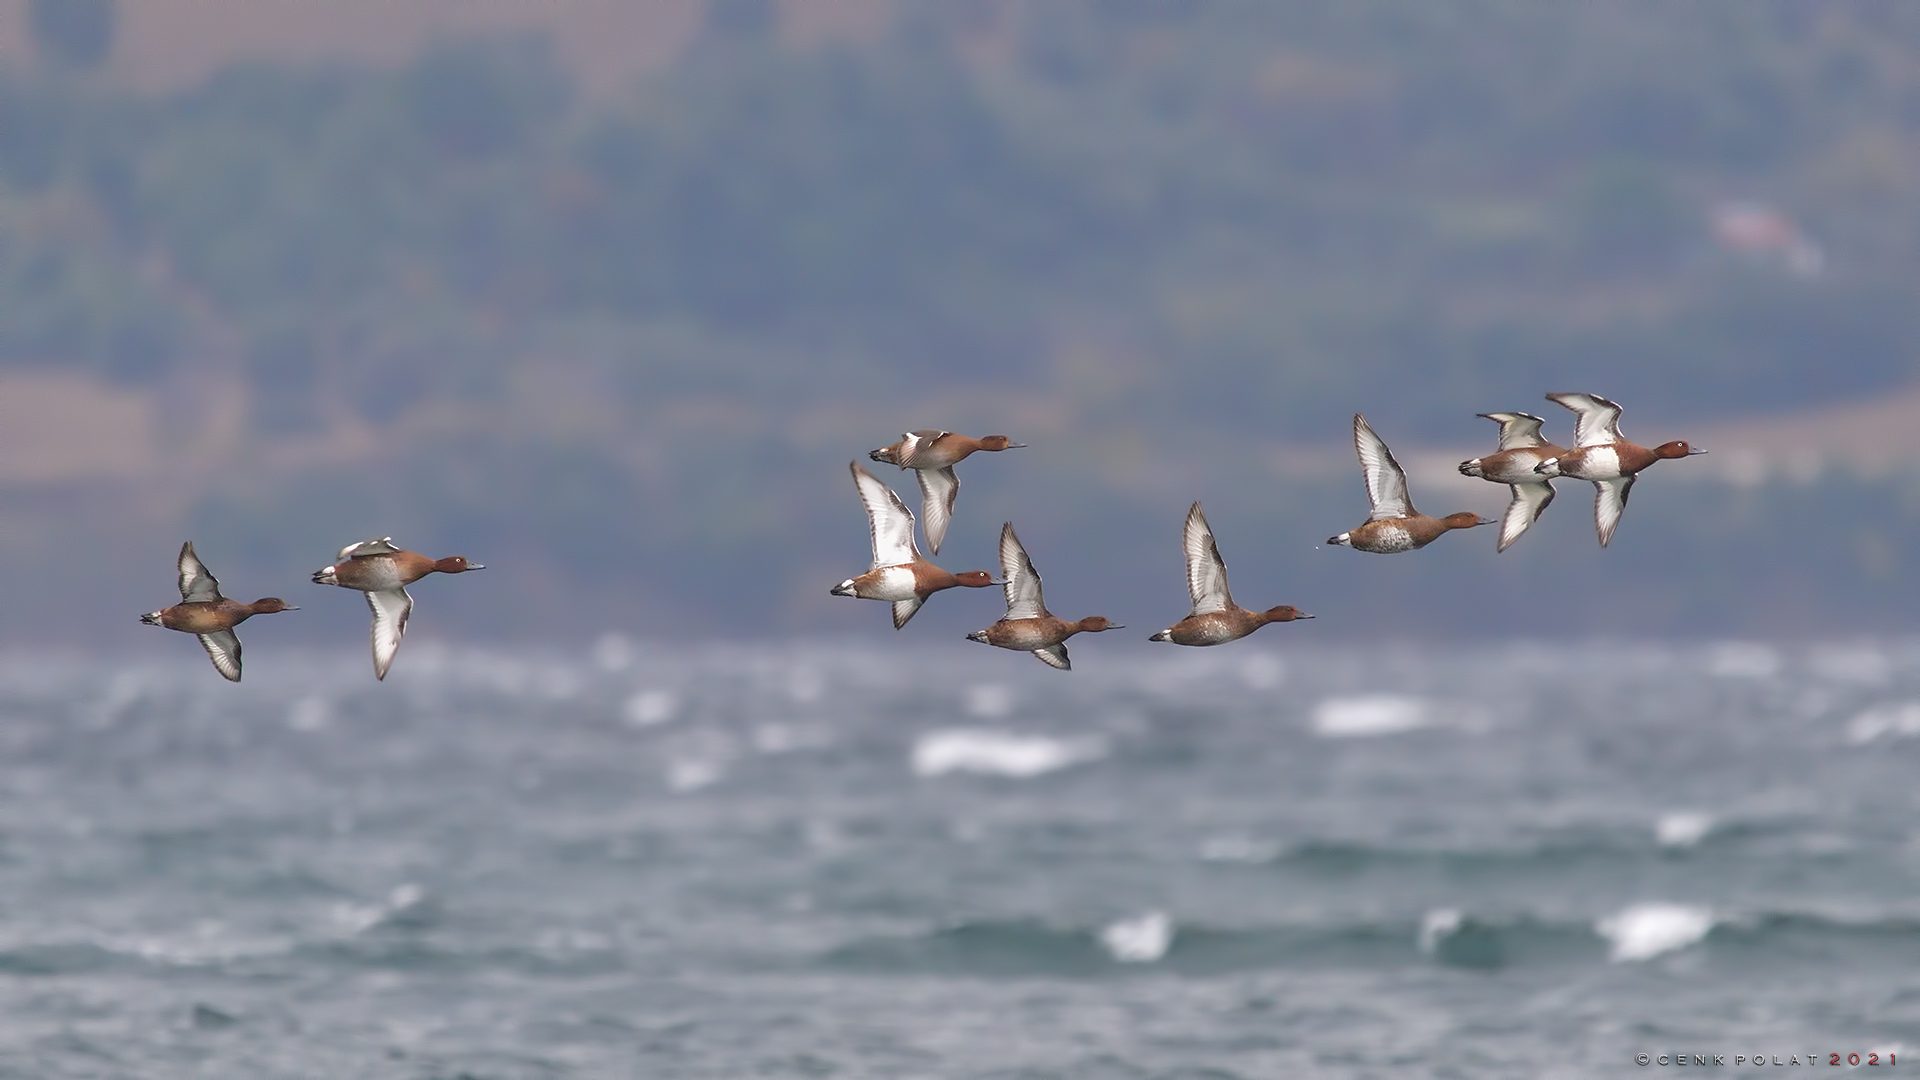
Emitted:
<point x="692" y="774"/>
<point x="1644" y="931"/>
<point x="1369" y="715"/>
<point x="999" y="753"/>
<point x="1139" y="940"/>
<point x="650" y="708"/>
<point x="1682" y="828"/>
<point x="990" y="701"/>
<point x="1437" y="926"/>
<point x="1899" y="720"/>
<point x="1743" y="660"/>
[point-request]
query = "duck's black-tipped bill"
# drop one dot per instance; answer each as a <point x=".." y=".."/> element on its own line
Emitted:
<point x="1298" y="615"/>
<point x="1694" y="451"/>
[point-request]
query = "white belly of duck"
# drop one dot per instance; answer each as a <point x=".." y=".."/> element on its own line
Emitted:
<point x="1599" y="463"/>
<point x="889" y="583"/>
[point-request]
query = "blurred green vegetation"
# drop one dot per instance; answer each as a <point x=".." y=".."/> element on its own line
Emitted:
<point x="1264" y="216"/>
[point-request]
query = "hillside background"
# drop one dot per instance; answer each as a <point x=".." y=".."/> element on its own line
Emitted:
<point x="605" y="295"/>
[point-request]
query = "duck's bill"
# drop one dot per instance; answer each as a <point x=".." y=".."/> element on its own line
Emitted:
<point x="1694" y="451"/>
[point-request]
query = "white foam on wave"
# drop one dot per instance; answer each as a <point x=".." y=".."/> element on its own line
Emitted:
<point x="1369" y="716"/>
<point x="1897" y="720"/>
<point x="1142" y="939"/>
<point x="1743" y="660"/>
<point x="1437" y="926"/>
<point x="999" y="753"/>
<point x="1644" y="931"/>
<point x="650" y="708"/>
<point x="692" y="774"/>
<point x="1682" y="828"/>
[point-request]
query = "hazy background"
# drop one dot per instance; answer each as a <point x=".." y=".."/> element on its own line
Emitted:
<point x="606" y="294"/>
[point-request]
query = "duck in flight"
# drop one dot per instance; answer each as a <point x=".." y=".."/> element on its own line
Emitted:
<point x="1394" y="525"/>
<point x="932" y="454"/>
<point x="1602" y="456"/>
<point x="204" y="612"/>
<point x="1521" y="451"/>
<point x="383" y="572"/>
<point x="1215" y="618"/>
<point x="900" y="574"/>
<point x="1028" y="626"/>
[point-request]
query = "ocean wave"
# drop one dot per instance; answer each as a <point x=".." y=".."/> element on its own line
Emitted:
<point x="1000" y="753"/>
<point x="1644" y="931"/>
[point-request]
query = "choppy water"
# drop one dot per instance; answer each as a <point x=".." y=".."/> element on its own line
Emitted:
<point x="892" y="861"/>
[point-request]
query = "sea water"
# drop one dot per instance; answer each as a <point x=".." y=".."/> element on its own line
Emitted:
<point x="899" y="860"/>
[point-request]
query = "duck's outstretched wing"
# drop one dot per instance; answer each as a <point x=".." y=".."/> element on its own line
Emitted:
<point x="1206" y="571"/>
<point x="197" y="585"/>
<point x="1021" y="582"/>
<point x="1386" y="480"/>
<point x="391" y="607"/>
<point x="1609" y="502"/>
<point x="1054" y="656"/>
<point x="904" y="609"/>
<point x="1596" y="420"/>
<point x="1517" y="429"/>
<point x="1528" y="503"/>
<point x="382" y="546"/>
<point x="889" y="522"/>
<point x="223" y="648"/>
<point x="938" y="487"/>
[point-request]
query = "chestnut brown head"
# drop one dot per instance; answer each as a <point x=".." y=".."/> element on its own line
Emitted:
<point x="975" y="579"/>
<point x="1465" y="520"/>
<point x="1284" y="613"/>
<point x="455" y="564"/>
<point x="271" y="605"/>
<point x="1093" y="624"/>
<point x="999" y="442"/>
<point x="1678" y="448"/>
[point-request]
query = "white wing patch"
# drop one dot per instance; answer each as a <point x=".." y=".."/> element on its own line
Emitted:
<point x="1206" y="571"/>
<point x="1386" y="481"/>
<point x="1529" y="502"/>
<point x="1609" y="502"/>
<point x="223" y="648"/>
<point x="390" y="610"/>
<point x="889" y="522"/>
<point x="197" y="585"/>
<point x="1596" y="420"/>
<point x="1518" y="430"/>
<point x="382" y="546"/>
<point x="1054" y="656"/>
<point x="1021" y="582"/>
<point x="938" y="487"/>
<point x="904" y="609"/>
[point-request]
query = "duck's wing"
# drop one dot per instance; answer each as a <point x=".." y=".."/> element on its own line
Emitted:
<point x="889" y="522"/>
<point x="382" y="546"/>
<point x="1528" y="503"/>
<point x="938" y="487"/>
<point x="1206" y="571"/>
<point x="1386" y="481"/>
<point x="1596" y="420"/>
<point x="904" y="609"/>
<point x="390" y="610"/>
<point x="1054" y="656"/>
<point x="914" y="442"/>
<point x="197" y="584"/>
<point x="1020" y="581"/>
<point x="223" y="648"/>
<point x="1609" y="502"/>
<point x="1517" y="429"/>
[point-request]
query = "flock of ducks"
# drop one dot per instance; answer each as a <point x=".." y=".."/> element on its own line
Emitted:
<point x="1524" y="461"/>
<point x="904" y="578"/>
